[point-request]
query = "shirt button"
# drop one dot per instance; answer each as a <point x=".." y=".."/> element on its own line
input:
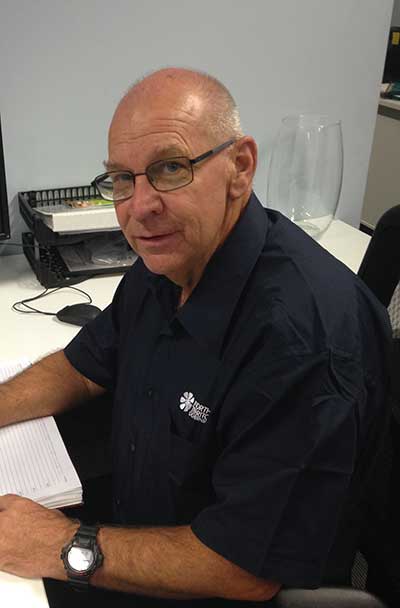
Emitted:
<point x="132" y="446"/>
<point x="150" y="393"/>
<point x="118" y="502"/>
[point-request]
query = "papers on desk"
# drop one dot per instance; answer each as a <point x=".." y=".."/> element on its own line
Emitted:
<point x="33" y="459"/>
<point x="16" y="591"/>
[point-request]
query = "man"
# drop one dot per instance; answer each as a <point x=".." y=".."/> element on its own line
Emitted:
<point x="246" y="365"/>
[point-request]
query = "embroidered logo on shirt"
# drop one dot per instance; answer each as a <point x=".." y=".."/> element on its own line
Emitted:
<point x="193" y="408"/>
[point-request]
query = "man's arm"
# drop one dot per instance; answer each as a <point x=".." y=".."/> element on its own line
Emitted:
<point x="49" y="387"/>
<point x="171" y="562"/>
<point x="167" y="562"/>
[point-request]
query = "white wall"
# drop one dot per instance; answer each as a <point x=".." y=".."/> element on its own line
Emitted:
<point x="64" y="65"/>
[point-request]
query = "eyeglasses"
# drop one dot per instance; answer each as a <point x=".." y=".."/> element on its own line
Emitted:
<point x="164" y="175"/>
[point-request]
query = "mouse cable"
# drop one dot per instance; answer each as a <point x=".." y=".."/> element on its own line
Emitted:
<point x="44" y="293"/>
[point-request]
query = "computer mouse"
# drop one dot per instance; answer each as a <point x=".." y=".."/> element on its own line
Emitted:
<point x="78" y="314"/>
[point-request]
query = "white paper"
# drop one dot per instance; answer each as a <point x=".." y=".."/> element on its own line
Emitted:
<point x="8" y="369"/>
<point x="16" y="591"/>
<point x="22" y="592"/>
<point x="34" y="462"/>
<point x="61" y="218"/>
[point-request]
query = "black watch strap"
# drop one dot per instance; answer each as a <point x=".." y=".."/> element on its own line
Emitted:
<point x="78" y="583"/>
<point x="85" y="538"/>
<point x="87" y="534"/>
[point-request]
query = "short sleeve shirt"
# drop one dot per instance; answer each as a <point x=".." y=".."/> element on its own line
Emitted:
<point x="242" y="413"/>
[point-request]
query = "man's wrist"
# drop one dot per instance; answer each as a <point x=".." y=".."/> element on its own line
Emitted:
<point x="82" y="556"/>
<point x="65" y="534"/>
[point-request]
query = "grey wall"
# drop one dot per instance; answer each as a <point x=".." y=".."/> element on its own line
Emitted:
<point x="396" y="13"/>
<point x="64" y="65"/>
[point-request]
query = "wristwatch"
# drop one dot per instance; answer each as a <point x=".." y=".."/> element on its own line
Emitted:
<point x="82" y="556"/>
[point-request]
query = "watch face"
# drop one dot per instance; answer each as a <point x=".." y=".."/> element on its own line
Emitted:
<point x="80" y="559"/>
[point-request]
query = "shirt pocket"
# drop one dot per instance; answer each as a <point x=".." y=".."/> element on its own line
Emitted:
<point x="190" y="476"/>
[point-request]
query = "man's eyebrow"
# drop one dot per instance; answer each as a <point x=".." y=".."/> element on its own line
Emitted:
<point x="167" y="152"/>
<point x="111" y="166"/>
<point x="159" y="153"/>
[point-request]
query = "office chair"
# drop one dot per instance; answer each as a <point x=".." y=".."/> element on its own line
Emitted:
<point x="380" y="270"/>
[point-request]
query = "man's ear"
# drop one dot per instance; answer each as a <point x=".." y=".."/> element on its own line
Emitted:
<point x="245" y="163"/>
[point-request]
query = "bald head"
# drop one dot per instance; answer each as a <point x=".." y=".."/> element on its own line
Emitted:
<point x="205" y="100"/>
<point x="167" y="117"/>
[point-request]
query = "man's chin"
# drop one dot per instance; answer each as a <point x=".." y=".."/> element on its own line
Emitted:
<point x="160" y="264"/>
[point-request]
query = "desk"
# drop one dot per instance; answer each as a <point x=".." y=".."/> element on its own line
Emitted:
<point x="346" y="243"/>
<point x="35" y="335"/>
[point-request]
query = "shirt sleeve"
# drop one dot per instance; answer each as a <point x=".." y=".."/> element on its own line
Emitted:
<point x="289" y="442"/>
<point x="94" y="351"/>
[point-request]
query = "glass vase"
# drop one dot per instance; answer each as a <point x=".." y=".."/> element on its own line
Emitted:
<point x="306" y="170"/>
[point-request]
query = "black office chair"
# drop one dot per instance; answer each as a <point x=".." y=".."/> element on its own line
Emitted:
<point x="380" y="270"/>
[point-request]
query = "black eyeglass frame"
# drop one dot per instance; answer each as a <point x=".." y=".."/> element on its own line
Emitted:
<point x="192" y="161"/>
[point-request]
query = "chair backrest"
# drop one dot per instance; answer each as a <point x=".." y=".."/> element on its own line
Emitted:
<point x="380" y="268"/>
<point x="394" y="311"/>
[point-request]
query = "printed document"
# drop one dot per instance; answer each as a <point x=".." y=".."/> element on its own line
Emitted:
<point x="33" y="459"/>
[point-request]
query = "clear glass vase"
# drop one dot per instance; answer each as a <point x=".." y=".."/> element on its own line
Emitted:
<point x="306" y="170"/>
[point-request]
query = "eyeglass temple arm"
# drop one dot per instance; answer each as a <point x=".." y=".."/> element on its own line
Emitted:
<point x="212" y="152"/>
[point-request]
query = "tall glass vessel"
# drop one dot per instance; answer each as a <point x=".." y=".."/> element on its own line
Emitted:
<point x="306" y="170"/>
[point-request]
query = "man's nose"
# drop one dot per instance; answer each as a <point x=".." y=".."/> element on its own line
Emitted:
<point x="145" y="200"/>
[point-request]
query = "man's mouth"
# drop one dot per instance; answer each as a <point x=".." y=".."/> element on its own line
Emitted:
<point x="155" y="239"/>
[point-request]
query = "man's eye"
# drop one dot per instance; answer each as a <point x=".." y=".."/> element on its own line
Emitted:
<point x="172" y="166"/>
<point x="121" y="177"/>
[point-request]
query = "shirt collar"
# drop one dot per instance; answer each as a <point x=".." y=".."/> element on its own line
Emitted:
<point x="208" y="311"/>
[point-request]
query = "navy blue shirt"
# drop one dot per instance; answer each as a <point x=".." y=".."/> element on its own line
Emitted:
<point x="244" y="412"/>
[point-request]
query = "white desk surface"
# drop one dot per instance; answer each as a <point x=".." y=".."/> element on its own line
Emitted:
<point x="35" y="335"/>
<point x="346" y="243"/>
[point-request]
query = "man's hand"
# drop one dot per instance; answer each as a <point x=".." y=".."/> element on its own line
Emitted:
<point x="31" y="538"/>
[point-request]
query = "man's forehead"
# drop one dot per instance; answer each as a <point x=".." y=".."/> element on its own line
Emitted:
<point x="145" y="110"/>
<point x="168" y="94"/>
<point x="154" y="139"/>
<point x="157" y="133"/>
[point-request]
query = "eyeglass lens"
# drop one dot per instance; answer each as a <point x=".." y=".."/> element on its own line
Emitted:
<point x="116" y="185"/>
<point x="163" y="175"/>
<point x="170" y="174"/>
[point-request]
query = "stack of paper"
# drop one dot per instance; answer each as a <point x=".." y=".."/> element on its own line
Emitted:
<point x="33" y="459"/>
<point x="63" y="218"/>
